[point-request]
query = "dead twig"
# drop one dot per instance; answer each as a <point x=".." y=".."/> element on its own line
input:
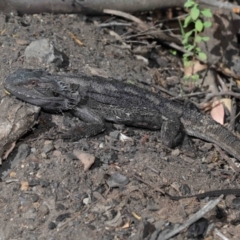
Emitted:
<point x="218" y="233"/>
<point x="228" y="160"/>
<point x="128" y="16"/>
<point x="189" y="95"/>
<point x="227" y="93"/>
<point x="113" y="24"/>
<point x="208" y="207"/>
<point x="149" y="184"/>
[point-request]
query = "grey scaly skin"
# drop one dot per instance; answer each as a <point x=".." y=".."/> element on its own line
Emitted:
<point x="96" y="99"/>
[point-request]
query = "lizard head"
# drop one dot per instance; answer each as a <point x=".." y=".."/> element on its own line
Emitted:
<point x="40" y="88"/>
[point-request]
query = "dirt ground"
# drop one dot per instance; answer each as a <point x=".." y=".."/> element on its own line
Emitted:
<point x="48" y="195"/>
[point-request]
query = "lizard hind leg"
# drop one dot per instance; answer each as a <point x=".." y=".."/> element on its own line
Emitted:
<point x="172" y="133"/>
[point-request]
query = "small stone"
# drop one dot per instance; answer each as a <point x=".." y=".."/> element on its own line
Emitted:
<point x="52" y="225"/>
<point x="236" y="203"/>
<point x="35" y="198"/>
<point x="50" y="203"/>
<point x="34" y="166"/>
<point x="198" y="228"/>
<point x="70" y="156"/>
<point x="176" y="152"/>
<point x="12" y="174"/>
<point x="22" y="42"/>
<point x="57" y="153"/>
<point x="23" y="151"/>
<point x="44" y="155"/>
<point x="117" y="180"/>
<point x="33" y="150"/>
<point x="26" y="20"/>
<point x="33" y="182"/>
<point x="30" y="214"/>
<point x="63" y="216"/>
<point x="44" y="183"/>
<point x="110" y="157"/>
<point x="48" y="147"/>
<point x="118" y="126"/>
<point x="43" y="209"/>
<point x="86" y="201"/>
<point x="114" y="134"/>
<point x="60" y="207"/>
<point x="24" y="186"/>
<point x="43" y="51"/>
<point x="102" y="145"/>
<point x="206" y="147"/>
<point x="87" y="159"/>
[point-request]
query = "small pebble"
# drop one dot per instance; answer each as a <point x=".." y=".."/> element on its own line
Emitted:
<point x="236" y="203"/>
<point x="52" y="225"/>
<point x="114" y="134"/>
<point x="117" y="180"/>
<point x="48" y="147"/>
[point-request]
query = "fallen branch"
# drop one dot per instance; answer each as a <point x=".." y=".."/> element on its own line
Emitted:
<point x="84" y="7"/>
<point x="96" y="6"/>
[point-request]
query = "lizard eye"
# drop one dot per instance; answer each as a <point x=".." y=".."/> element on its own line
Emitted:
<point x="32" y="83"/>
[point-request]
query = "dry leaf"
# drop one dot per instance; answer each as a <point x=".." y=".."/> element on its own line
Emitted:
<point x="227" y="103"/>
<point x="238" y="82"/>
<point x="196" y="67"/>
<point x="75" y="39"/>
<point x="126" y="225"/>
<point x="217" y="112"/>
<point x="87" y="159"/>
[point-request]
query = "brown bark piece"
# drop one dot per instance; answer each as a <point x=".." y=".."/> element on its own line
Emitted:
<point x="84" y="7"/>
<point x="16" y="118"/>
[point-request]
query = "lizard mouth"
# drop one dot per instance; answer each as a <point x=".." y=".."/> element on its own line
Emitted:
<point x="38" y="88"/>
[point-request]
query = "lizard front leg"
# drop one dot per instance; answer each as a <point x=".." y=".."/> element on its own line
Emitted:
<point x="91" y="124"/>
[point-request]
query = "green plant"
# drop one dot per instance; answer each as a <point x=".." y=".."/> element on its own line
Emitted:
<point x="191" y="38"/>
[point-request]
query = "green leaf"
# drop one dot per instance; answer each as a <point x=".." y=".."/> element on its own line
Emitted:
<point x="202" y="56"/>
<point x="194" y="13"/>
<point x="187" y="20"/>
<point x="199" y="25"/>
<point x="173" y="52"/>
<point x="205" y="39"/>
<point x="198" y="49"/>
<point x="189" y="4"/>
<point x="206" y="13"/>
<point x="198" y="39"/>
<point x="187" y="55"/>
<point x="185" y="59"/>
<point x="190" y="48"/>
<point x="187" y="63"/>
<point x="195" y="77"/>
<point x="184" y="41"/>
<point x="186" y="78"/>
<point x="188" y="34"/>
<point x="181" y="27"/>
<point x="207" y="24"/>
